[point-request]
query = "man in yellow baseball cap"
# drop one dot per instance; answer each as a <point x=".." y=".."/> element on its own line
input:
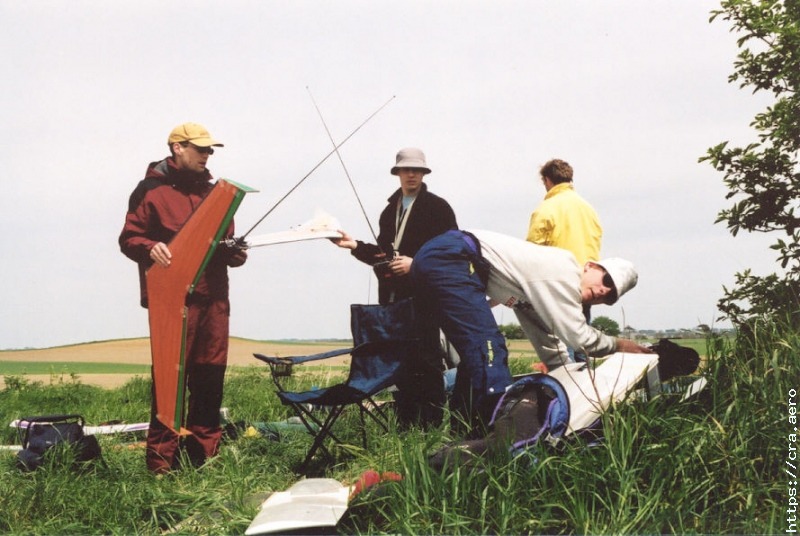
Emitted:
<point x="158" y="208"/>
<point x="194" y="134"/>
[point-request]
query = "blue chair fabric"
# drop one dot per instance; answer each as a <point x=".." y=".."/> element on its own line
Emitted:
<point x="382" y="336"/>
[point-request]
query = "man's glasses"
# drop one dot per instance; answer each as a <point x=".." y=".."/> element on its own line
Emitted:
<point x="609" y="283"/>
<point x="201" y="150"/>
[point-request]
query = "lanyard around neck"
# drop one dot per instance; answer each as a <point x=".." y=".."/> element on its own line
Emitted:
<point x="401" y="218"/>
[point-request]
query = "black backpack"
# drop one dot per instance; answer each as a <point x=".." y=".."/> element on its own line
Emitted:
<point x="674" y="360"/>
<point x="39" y="435"/>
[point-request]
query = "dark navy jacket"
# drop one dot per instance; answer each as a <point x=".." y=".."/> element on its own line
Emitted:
<point x="430" y="216"/>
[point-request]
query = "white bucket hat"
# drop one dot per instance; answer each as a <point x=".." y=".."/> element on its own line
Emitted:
<point x="410" y="157"/>
<point x="622" y="274"/>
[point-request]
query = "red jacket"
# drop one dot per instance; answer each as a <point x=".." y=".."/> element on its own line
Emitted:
<point x="159" y="206"/>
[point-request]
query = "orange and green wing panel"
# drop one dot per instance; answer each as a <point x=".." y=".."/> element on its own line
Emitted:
<point x="168" y="288"/>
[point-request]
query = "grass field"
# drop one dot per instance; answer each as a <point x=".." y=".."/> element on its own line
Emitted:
<point x="710" y="465"/>
<point x="18" y="368"/>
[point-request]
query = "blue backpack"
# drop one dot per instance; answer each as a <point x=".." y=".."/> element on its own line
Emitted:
<point x="534" y="408"/>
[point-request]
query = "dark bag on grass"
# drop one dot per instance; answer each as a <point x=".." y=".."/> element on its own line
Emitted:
<point x="41" y="434"/>
<point x="674" y="360"/>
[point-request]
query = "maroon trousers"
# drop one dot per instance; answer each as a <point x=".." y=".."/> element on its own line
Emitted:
<point x="206" y="360"/>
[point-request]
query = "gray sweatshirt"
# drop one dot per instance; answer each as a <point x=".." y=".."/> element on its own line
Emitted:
<point x="543" y="286"/>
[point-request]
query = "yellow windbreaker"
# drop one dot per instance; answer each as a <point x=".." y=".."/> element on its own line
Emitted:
<point x="566" y="220"/>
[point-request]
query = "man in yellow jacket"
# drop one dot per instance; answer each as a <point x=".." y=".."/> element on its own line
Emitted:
<point x="565" y="219"/>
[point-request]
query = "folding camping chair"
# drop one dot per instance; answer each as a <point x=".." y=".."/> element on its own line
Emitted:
<point x="382" y="336"/>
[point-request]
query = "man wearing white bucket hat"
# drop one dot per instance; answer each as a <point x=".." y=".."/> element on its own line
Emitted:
<point x="412" y="216"/>
<point x="544" y="285"/>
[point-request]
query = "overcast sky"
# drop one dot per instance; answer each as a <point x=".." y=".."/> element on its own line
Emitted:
<point x="631" y="93"/>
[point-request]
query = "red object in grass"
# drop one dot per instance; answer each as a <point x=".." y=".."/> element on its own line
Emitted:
<point x="539" y="367"/>
<point x="371" y="477"/>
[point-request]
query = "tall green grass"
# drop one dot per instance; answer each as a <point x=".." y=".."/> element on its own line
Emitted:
<point x="710" y="465"/>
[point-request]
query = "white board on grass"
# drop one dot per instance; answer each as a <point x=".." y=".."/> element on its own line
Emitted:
<point x="309" y="503"/>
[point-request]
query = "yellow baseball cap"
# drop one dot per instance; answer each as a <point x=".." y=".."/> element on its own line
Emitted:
<point x="193" y="133"/>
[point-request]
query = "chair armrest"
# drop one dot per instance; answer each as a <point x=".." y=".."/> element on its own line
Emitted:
<point x="272" y="360"/>
<point x="295" y="360"/>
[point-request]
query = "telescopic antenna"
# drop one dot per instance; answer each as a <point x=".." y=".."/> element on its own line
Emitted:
<point x="335" y="149"/>
<point x="344" y="167"/>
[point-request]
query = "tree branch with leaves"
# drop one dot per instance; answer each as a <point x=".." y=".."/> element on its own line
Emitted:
<point x="762" y="178"/>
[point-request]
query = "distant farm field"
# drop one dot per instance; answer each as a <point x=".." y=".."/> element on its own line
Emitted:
<point x="111" y="363"/>
<point x="69" y="367"/>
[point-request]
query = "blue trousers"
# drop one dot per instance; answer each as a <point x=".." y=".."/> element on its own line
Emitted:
<point x="449" y="276"/>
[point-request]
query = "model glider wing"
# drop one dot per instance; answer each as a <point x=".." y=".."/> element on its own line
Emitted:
<point x="322" y="226"/>
<point x="101" y="429"/>
<point x="591" y="392"/>
<point x="168" y="287"/>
